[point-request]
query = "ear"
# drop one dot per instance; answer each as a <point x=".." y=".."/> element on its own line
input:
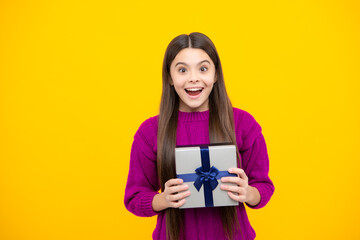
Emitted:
<point x="216" y="77"/>
<point x="170" y="80"/>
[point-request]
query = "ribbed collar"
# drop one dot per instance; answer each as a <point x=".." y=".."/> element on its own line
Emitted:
<point x="193" y="116"/>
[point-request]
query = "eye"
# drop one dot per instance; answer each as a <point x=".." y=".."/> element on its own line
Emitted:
<point x="203" y="69"/>
<point x="182" y="70"/>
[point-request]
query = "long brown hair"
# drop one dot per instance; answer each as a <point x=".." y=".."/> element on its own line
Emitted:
<point x="221" y="126"/>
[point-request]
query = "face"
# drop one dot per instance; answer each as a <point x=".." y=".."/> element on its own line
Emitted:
<point x="193" y="77"/>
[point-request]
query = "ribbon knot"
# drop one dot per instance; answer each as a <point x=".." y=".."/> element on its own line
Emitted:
<point x="204" y="176"/>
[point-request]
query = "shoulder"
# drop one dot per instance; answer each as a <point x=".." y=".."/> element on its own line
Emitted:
<point x="243" y="119"/>
<point x="247" y="129"/>
<point x="147" y="131"/>
<point x="149" y="125"/>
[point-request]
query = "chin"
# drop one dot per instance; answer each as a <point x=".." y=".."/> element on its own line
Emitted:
<point x="193" y="106"/>
<point x="197" y="108"/>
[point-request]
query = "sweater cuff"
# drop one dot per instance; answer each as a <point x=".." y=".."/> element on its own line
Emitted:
<point x="146" y="204"/>
<point x="265" y="195"/>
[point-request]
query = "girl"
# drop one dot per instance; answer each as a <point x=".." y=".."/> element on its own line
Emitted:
<point x="195" y="109"/>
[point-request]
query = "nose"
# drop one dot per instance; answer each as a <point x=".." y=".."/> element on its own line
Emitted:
<point x="194" y="77"/>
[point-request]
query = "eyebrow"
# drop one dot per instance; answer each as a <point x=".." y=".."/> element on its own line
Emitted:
<point x="197" y="64"/>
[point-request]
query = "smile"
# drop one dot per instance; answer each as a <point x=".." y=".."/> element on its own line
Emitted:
<point x="193" y="92"/>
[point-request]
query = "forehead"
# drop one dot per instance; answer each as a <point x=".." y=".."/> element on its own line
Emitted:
<point x="191" y="56"/>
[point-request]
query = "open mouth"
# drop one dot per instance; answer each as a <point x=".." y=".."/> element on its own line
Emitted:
<point x="193" y="91"/>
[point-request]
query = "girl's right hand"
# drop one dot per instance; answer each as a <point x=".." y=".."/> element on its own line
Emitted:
<point x="173" y="195"/>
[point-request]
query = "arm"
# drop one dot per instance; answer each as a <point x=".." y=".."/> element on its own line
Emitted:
<point x="258" y="171"/>
<point x="142" y="196"/>
<point x="142" y="183"/>
<point x="254" y="185"/>
<point x="254" y="188"/>
<point x="141" y="186"/>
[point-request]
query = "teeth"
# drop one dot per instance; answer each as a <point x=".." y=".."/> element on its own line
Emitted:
<point x="193" y="89"/>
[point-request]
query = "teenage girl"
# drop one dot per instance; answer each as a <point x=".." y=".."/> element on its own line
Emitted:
<point x="195" y="109"/>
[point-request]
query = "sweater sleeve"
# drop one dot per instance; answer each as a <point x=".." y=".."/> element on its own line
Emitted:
<point x="258" y="171"/>
<point x="255" y="161"/>
<point x="142" y="183"/>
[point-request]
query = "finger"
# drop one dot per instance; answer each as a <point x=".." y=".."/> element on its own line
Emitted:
<point x="179" y="203"/>
<point x="234" y="189"/>
<point x="240" y="172"/>
<point x="238" y="198"/>
<point x="230" y="188"/>
<point x="173" y="181"/>
<point x="178" y="188"/>
<point x="178" y="196"/>
<point x="235" y="180"/>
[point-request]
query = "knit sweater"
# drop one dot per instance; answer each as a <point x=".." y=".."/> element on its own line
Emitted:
<point x="193" y="128"/>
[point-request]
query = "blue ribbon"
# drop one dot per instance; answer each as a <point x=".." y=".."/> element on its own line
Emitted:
<point x="205" y="176"/>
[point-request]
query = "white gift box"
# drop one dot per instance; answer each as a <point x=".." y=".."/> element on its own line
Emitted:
<point x="201" y="168"/>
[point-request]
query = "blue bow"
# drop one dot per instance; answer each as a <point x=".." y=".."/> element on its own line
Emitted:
<point x="203" y="177"/>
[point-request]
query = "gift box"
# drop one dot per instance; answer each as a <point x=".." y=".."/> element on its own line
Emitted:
<point x="201" y="168"/>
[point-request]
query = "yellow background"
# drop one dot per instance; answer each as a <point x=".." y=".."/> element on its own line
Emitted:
<point x="77" y="78"/>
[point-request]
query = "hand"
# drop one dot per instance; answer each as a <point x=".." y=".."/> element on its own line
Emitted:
<point x="242" y="192"/>
<point x="173" y="195"/>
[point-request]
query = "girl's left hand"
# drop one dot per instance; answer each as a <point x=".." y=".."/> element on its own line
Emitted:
<point x="245" y="193"/>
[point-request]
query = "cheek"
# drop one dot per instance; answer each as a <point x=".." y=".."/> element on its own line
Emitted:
<point x="210" y="76"/>
<point x="178" y="80"/>
<point x="178" y="85"/>
<point x="209" y="80"/>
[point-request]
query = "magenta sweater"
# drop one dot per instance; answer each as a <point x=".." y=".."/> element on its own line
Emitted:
<point x="193" y="128"/>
